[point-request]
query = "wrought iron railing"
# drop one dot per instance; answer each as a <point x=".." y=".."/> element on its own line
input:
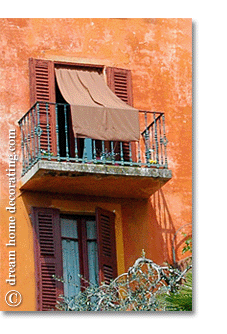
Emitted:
<point x="46" y="134"/>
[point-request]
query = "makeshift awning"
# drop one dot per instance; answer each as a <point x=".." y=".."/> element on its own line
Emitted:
<point x="96" y="111"/>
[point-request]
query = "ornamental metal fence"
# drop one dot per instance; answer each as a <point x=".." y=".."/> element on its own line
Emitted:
<point x="47" y="134"/>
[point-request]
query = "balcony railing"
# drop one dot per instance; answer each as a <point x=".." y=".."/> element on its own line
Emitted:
<point x="46" y="134"/>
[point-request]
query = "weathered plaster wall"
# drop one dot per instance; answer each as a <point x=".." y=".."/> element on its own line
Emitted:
<point x="158" y="51"/>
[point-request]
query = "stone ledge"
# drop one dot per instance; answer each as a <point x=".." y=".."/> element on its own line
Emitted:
<point x="94" y="180"/>
<point x="82" y="169"/>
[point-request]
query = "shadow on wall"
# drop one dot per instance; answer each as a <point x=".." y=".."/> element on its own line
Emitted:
<point x="147" y="224"/>
<point x="162" y="227"/>
<point x="167" y="242"/>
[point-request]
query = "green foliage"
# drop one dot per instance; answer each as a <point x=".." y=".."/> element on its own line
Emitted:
<point x="182" y="299"/>
<point x="188" y="244"/>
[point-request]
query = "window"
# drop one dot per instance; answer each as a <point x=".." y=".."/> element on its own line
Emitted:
<point x="68" y="245"/>
<point x="79" y="252"/>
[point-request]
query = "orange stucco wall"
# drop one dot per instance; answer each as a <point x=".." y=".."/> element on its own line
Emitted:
<point x="158" y="52"/>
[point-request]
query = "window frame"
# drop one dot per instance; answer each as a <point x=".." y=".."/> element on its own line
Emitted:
<point x="82" y="243"/>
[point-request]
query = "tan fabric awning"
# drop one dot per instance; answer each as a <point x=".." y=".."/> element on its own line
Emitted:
<point x="96" y="111"/>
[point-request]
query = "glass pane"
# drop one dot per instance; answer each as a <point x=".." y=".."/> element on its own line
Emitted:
<point x="93" y="262"/>
<point x="91" y="230"/>
<point x="69" y="228"/>
<point x="71" y="269"/>
<point x="92" y="251"/>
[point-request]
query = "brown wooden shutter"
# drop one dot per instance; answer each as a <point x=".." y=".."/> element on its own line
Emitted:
<point x="106" y="245"/>
<point x="48" y="257"/>
<point x="120" y="82"/>
<point x="42" y="89"/>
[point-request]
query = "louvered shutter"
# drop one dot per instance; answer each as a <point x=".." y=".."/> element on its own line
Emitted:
<point x="42" y="89"/>
<point x="106" y="245"/>
<point x="120" y="82"/>
<point x="48" y="257"/>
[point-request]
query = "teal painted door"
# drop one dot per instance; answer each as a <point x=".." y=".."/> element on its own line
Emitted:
<point x="87" y="148"/>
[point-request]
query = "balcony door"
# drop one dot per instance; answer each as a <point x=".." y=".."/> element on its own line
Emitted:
<point x="43" y="88"/>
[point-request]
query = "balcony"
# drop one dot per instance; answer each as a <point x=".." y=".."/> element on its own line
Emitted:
<point x="54" y="161"/>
